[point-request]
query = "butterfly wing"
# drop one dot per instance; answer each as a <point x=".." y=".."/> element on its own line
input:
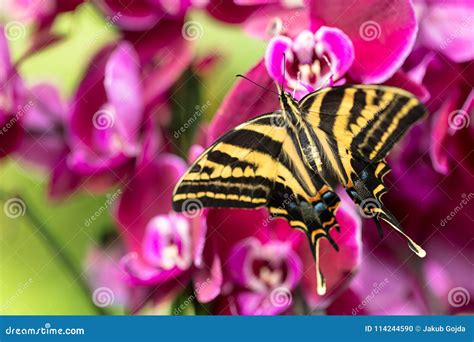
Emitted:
<point x="259" y="164"/>
<point x="237" y="171"/>
<point x="357" y="126"/>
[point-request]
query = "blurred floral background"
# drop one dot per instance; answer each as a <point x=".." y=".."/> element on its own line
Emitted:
<point x="103" y="105"/>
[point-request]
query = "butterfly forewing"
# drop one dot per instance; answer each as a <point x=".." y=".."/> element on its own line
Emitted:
<point x="236" y="171"/>
<point x="365" y="119"/>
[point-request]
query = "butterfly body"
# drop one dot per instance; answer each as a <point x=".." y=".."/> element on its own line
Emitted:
<point x="290" y="160"/>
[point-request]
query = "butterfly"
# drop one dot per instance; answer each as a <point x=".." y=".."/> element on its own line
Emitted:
<point x="291" y="160"/>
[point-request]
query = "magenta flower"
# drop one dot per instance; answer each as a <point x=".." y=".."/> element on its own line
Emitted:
<point x="166" y="251"/>
<point x="255" y="259"/>
<point x="367" y="47"/>
<point x="265" y="275"/>
<point x="162" y="246"/>
<point x="312" y="60"/>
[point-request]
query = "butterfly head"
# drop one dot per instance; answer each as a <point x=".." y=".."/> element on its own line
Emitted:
<point x="289" y="105"/>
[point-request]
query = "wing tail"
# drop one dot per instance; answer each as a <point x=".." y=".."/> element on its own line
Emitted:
<point x="367" y="191"/>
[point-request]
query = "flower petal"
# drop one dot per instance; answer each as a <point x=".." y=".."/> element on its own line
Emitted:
<point x="208" y="278"/>
<point x="382" y="31"/>
<point x="278" y="49"/>
<point x="338" y="46"/>
<point x="148" y="194"/>
<point x="124" y="91"/>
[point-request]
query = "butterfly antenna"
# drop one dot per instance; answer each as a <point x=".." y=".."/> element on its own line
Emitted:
<point x="258" y="85"/>
<point x="284" y="74"/>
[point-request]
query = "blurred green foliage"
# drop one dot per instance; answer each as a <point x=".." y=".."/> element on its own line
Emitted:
<point x="32" y="278"/>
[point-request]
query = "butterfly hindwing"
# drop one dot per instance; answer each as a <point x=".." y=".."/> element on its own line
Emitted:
<point x="356" y="127"/>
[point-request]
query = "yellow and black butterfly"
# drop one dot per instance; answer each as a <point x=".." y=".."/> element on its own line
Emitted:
<point x="291" y="160"/>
